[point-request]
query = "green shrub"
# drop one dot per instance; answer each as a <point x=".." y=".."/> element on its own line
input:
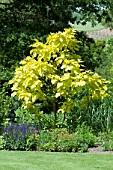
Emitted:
<point x="90" y="51"/>
<point x="46" y="121"/>
<point x="106" y="67"/>
<point x="60" y="140"/>
<point x="32" y="141"/>
<point x="106" y="140"/>
<point x="1" y="142"/>
<point x="24" y="116"/>
<point x="15" y="135"/>
<point x="6" y="102"/>
<point x="86" y="135"/>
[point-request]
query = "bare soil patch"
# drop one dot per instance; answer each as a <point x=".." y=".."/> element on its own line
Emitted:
<point x="101" y="34"/>
<point x="99" y="150"/>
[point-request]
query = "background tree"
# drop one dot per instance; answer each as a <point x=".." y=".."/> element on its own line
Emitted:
<point x="21" y="18"/>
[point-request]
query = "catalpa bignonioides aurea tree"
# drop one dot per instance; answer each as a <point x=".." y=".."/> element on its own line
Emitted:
<point x="53" y="73"/>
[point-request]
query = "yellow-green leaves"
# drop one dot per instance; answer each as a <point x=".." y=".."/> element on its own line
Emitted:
<point x="97" y="85"/>
<point x="53" y="72"/>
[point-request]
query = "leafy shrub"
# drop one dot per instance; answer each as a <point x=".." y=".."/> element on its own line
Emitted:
<point x="60" y="140"/>
<point x="106" y="140"/>
<point x="24" y="116"/>
<point x="15" y="135"/>
<point x="106" y="67"/>
<point x="46" y="121"/>
<point x="55" y="140"/>
<point x="90" y="50"/>
<point x="1" y="142"/>
<point x="32" y="140"/>
<point x="86" y="135"/>
<point x="6" y="102"/>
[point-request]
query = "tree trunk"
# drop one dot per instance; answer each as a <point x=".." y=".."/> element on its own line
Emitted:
<point x="55" y="111"/>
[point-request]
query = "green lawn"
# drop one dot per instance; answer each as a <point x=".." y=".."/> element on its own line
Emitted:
<point x="5" y="1"/>
<point x="88" y="27"/>
<point x="13" y="160"/>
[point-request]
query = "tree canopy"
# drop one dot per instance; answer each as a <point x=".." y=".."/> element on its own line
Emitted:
<point x="44" y="16"/>
<point x="53" y="75"/>
<point x="22" y="20"/>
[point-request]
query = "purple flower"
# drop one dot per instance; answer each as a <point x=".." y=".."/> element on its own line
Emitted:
<point x="16" y="135"/>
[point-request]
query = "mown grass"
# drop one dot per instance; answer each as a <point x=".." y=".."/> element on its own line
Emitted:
<point x="17" y="160"/>
<point x="98" y="32"/>
<point x="5" y="1"/>
<point x="88" y="27"/>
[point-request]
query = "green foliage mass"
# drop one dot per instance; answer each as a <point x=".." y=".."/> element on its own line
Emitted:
<point x="106" y="140"/>
<point x="106" y="67"/>
<point x="21" y="21"/>
<point x="90" y="51"/>
<point x="15" y="135"/>
<point x="60" y="140"/>
<point x="24" y="136"/>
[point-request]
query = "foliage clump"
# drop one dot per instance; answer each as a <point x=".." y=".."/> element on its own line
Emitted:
<point x="15" y="135"/>
<point x="60" y="140"/>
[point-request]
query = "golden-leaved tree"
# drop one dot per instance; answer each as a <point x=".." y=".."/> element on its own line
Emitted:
<point x="53" y="74"/>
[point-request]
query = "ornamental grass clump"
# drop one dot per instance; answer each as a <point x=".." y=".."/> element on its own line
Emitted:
<point x="15" y="135"/>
